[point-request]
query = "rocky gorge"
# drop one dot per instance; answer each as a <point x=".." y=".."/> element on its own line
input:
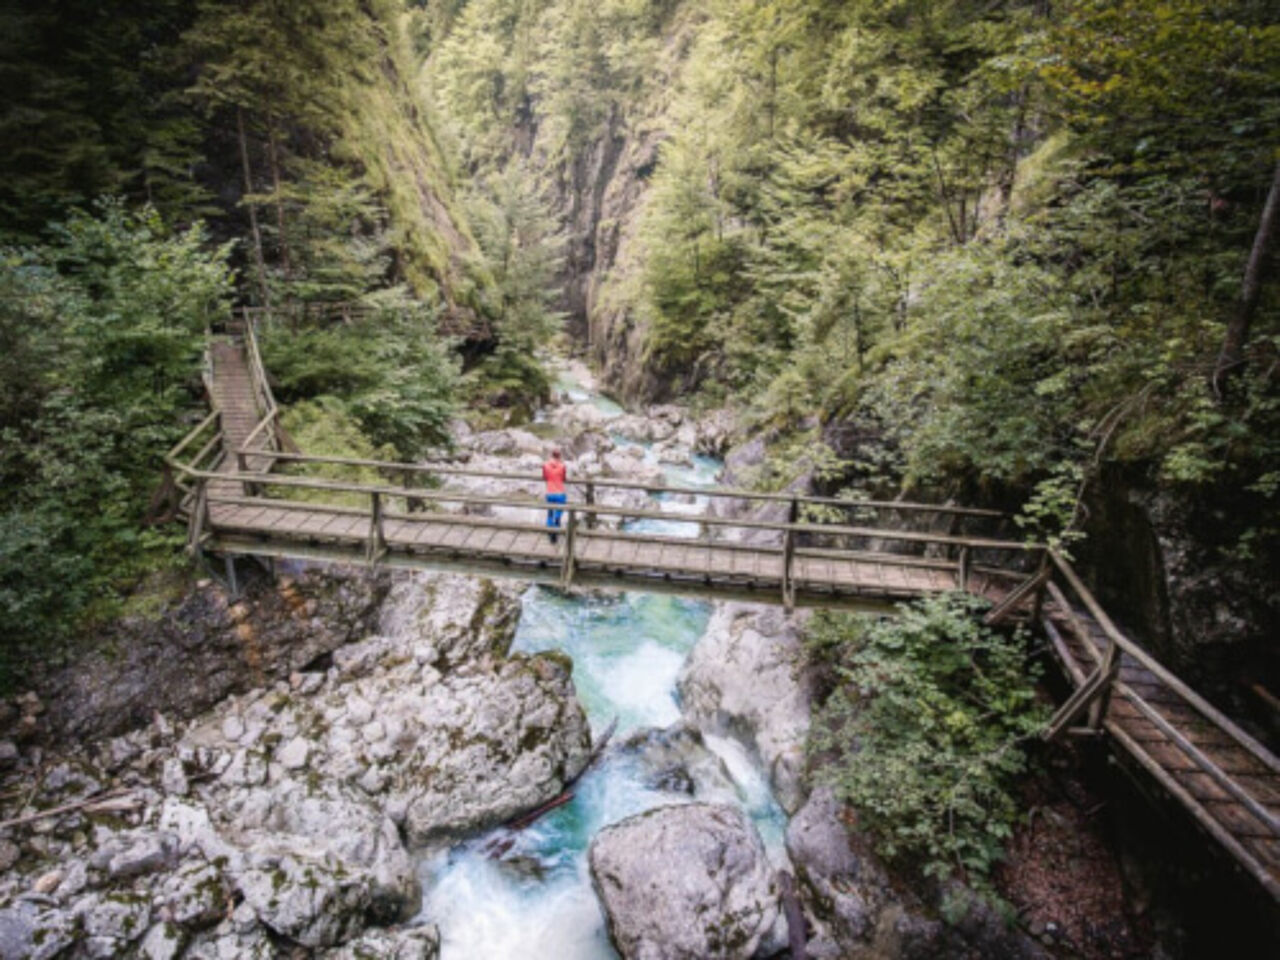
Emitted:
<point x="342" y="764"/>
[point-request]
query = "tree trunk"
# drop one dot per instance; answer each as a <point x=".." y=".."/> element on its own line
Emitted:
<point x="1231" y="359"/>
<point x="275" y="183"/>
<point x="253" y="211"/>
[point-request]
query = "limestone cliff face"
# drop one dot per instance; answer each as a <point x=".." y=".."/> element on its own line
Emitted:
<point x="601" y="194"/>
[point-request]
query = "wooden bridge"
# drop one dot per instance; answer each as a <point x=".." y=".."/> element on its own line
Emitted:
<point x="243" y="488"/>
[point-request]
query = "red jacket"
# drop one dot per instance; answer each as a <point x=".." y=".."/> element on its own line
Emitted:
<point x="553" y="472"/>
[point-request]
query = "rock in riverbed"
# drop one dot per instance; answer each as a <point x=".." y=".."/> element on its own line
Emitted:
<point x="745" y="679"/>
<point x="687" y="882"/>
<point x="280" y="815"/>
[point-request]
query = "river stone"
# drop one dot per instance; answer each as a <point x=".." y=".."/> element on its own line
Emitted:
<point x="30" y="931"/>
<point x="303" y="895"/>
<point x="293" y="755"/>
<point x="676" y="760"/>
<point x="685" y="883"/>
<point x="493" y="744"/>
<point x="163" y="941"/>
<point x="332" y="823"/>
<point x="744" y="678"/>
<point x="413" y="943"/>
<point x="463" y="618"/>
<point x="112" y="920"/>
<point x="194" y="896"/>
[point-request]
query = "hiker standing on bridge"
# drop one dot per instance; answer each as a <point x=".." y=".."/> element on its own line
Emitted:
<point x="553" y="471"/>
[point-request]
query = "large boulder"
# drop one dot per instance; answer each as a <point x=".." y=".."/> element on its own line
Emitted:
<point x="841" y="890"/>
<point x="687" y="882"/>
<point x="745" y="679"/>
<point x="853" y="908"/>
<point x="208" y="646"/>
<point x="491" y="744"/>
<point x="460" y="618"/>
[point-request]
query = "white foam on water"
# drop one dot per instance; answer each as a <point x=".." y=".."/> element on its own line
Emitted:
<point x="754" y="794"/>
<point x="641" y="685"/>
<point x="482" y="911"/>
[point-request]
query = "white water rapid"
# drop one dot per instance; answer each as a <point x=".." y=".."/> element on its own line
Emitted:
<point x="536" y="901"/>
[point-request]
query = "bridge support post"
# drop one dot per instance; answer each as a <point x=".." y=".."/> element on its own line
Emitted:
<point x="788" y="585"/>
<point x="229" y="562"/>
<point x="377" y="539"/>
<point x="566" y="567"/>
<point x="591" y="502"/>
<point x="1042" y="574"/>
<point x="199" y="519"/>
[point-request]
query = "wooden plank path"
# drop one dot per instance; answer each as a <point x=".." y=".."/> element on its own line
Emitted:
<point x="223" y="487"/>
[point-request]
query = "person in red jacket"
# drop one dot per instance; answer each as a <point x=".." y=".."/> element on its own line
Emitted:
<point x="553" y="471"/>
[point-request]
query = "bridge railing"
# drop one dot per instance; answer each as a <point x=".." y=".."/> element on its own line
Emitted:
<point x="1095" y="689"/>
<point x="1055" y="590"/>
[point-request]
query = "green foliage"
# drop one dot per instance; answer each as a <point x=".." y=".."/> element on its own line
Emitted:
<point x="106" y="322"/>
<point x="325" y="427"/>
<point x="924" y="733"/>
<point x="349" y="187"/>
<point x="524" y="253"/>
<point x="90" y="109"/>
<point x="389" y="372"/>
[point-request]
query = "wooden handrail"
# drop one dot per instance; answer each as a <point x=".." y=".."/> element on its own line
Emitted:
<point x="712" y="492"/>
<point x="171" y="457"/>
<point x="1141" y="656"/>
<point x="444" y="496"/>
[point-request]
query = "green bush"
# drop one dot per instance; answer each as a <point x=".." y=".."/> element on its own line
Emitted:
<point x="923" y="734"/>
<point x="101" y="331"/>
<point x="391" y="371"/>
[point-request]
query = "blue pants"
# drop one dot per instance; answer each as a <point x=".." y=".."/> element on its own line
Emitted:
<point x="553" y="516"/>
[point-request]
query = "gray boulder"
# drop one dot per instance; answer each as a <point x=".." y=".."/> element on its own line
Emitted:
<point x="686" y="882"/>
<point x="841" y="890"/>
<point x="745" y="679"/>
<point x="491" y="744"/>
<point x="304" y="894"/>
<point x="410" y="943"/>
<point x="32" y="931"/>
<point x="463" y="618"/>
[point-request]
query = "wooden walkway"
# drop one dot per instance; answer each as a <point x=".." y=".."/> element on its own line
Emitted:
<point x="224" y="481"/>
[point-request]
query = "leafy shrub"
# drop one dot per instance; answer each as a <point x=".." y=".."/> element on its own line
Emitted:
<point x="923" y="734"/>
<point x="391" y="372"/>
<point x="101" y="330"/>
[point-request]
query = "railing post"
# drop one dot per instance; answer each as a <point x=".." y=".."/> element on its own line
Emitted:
<point x="1037" y="605"/>
<point x="788" y="585"/>
<point x="591" y="502"/>
<point x="242" y="464"/>
<point x="962" y="570"/>
<point x="199" y="518"/>
<point x="1098" y="709"/>
<point x="566" y="565"/>
<point x="377" y="540"/>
